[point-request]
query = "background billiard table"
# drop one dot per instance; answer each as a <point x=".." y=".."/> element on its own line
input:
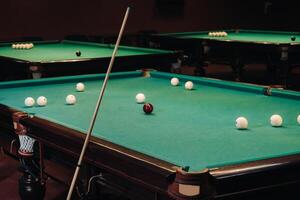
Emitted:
<point x="58" y="58"/>
<point x="188" y="129"/>
<point x="276" y="49"/>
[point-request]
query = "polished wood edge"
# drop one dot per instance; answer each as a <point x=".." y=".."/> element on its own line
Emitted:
<point x="256" y="166"/>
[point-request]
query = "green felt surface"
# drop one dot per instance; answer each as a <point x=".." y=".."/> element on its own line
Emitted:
<point x="66" y="50"/>
<point x="273" y="37"/>
<point x="188" y="128"/>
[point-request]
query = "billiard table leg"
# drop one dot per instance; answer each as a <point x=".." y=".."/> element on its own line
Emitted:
<point x="237" y="68"/>
<point x="35" y="72"/>
<point x="192" y="186"/>
<point x="284" y="70"/>
<point x="279" y="68"/>
<point x="200" y="71"/>
<point x="200" y="64"/>
<point x="31" y="184"/>
<point x="176" y="67"/>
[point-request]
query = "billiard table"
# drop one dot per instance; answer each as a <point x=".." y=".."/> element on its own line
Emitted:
<point x="277" y="49"/>
<point x="188" y="148"/>
<point x="58" y="58"/>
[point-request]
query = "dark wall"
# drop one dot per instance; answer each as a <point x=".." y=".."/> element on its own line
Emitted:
<point x="267" y="14"/>
<point x="53" y="19"/>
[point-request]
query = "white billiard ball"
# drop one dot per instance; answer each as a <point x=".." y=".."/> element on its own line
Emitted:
<point x="209" y="33"/>
<point x="13" y="46"/>
<point x="70" y="99"/>
<point x="174" y="81"/>
<point x="298" y="119"/>
<point x="241" y="123"/>
<point x="140" y="98"/>
<point x="80" y="87"/>
<point x="189" y="85"/>
<point x="276" y="120"/>
<point x="27" y="46"/>
<point x="41" y="101"/>
<point x="29" y="102"/>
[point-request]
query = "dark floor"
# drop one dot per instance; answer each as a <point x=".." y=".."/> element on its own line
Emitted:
<point x="57" y="191"/>
<point x="10" y="175"/>
<point x="56" y="188"/>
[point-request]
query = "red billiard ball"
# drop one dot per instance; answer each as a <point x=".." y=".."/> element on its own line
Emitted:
<point x="148" y="108"/>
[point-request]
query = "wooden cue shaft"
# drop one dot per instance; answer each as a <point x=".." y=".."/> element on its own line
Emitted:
<point x="86" y="141"/>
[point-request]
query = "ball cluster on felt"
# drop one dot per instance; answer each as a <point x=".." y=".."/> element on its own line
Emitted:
<point x="218" y="34"/>
<point x="70" y="99"/>
<point x="41" y="101"/>
<point x="241" y="123"/>
<point x="80" y="87"/>
<point x="276" y="120"/>
<point x="174" y="81"/>
<point x="22" y="46"/>
<point x="189" y="85"/>
<point x="140" y="98"/>
<point x="29" y="102"/>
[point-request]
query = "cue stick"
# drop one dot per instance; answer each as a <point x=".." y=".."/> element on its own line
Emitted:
<point x="86" y="141"/>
